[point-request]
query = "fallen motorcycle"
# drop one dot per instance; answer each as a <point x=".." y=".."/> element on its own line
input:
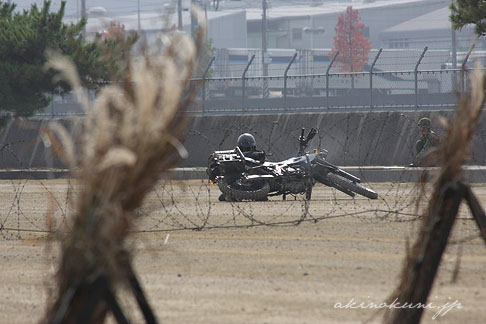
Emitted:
<point x="242" y="178"/>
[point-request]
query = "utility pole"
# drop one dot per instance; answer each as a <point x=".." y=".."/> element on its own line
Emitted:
<point x="453" y="49"/>
<point x="138" y="16"/>
<point x="264" y="48"/>
<point x="179" y="14"/>
<point x="83" y="8"/>
<point x="454" y="59"/>
<point x="83" y="13"/>
<point x="193" y="20"/>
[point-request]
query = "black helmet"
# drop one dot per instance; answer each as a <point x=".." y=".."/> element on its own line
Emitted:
<point x="246" y="142"/>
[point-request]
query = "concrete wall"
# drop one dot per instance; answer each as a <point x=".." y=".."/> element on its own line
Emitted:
<point x="356" y="98"/>
<point x="352" y="139"/>
<point x="25" y="144"/>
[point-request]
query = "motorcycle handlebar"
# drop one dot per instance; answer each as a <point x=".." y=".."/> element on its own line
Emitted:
<point x="302" y="138"/>
<point x="305" y="139"/>
<point x="311" y="134"/>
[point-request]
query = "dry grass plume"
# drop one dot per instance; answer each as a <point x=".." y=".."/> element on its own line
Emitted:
<point x="423" y="260"/>
<point x="131" y="134"/>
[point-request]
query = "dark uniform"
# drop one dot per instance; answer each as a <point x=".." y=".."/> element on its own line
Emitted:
<point x="425" y="146"/>
<point x="247" y="144"/>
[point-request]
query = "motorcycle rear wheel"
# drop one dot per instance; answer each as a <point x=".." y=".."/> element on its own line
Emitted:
<point x="353" y="186"/>
<point x="234" y="191"/>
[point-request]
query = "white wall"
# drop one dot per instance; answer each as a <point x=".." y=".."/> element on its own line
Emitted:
<point x="228" y="31"/>
<point x="377" y="19"/>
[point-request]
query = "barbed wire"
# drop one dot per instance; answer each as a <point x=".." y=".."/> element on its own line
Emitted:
<point x="192" y="205"/>
<point x="43" y="207"/>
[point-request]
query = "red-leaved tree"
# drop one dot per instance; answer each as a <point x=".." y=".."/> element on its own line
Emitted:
<point x="353" y="47"/>
<point x="115" y="30"/>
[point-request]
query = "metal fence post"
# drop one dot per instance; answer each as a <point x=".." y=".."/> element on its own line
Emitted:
<point x="415" y="72"/>
<point x="243" y="86"/>
<point x="371" y="76"/>
<point x="204" y="82"/>
<point x="285" y="79"/>
<point x="327" y="77"/>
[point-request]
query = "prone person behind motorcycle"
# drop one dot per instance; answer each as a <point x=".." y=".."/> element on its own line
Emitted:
<point x="247" y="144"/>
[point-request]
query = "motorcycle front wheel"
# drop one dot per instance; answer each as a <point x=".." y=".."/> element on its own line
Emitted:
<point x="352" y="186"/>
<point x="238" y="191"/>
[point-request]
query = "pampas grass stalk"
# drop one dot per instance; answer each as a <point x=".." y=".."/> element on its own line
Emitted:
<point x="422" y="262"/>
<point x="131" y="134"/>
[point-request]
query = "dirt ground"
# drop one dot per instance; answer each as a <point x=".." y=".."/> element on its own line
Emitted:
<point x="259" y="262"/>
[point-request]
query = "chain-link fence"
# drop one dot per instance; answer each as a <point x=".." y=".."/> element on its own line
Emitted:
<point x="246" y="81"/>
<point x="312" y="80"/>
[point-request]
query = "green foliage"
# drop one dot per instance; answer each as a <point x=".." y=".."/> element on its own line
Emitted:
<point x="464" y="12"/>
<point x="25" y="86"/>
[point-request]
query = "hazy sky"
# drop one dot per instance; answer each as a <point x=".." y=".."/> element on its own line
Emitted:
<point x="113" y="7"/>
<point x="123" y="7"/>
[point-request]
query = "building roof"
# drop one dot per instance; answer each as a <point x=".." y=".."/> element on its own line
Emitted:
<point x="148" y="21"/>
<point x="433" y="27"/>
<point x="435" y="20"/>
<point x="277" y="12"/>
<point x="277" y="8"/>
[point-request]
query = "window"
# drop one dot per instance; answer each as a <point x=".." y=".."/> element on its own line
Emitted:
<point x="398" y="43"/>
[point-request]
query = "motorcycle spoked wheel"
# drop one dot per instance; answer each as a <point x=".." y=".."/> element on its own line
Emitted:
<point x="353" y="186"/>
<point x="237" y="191"/>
